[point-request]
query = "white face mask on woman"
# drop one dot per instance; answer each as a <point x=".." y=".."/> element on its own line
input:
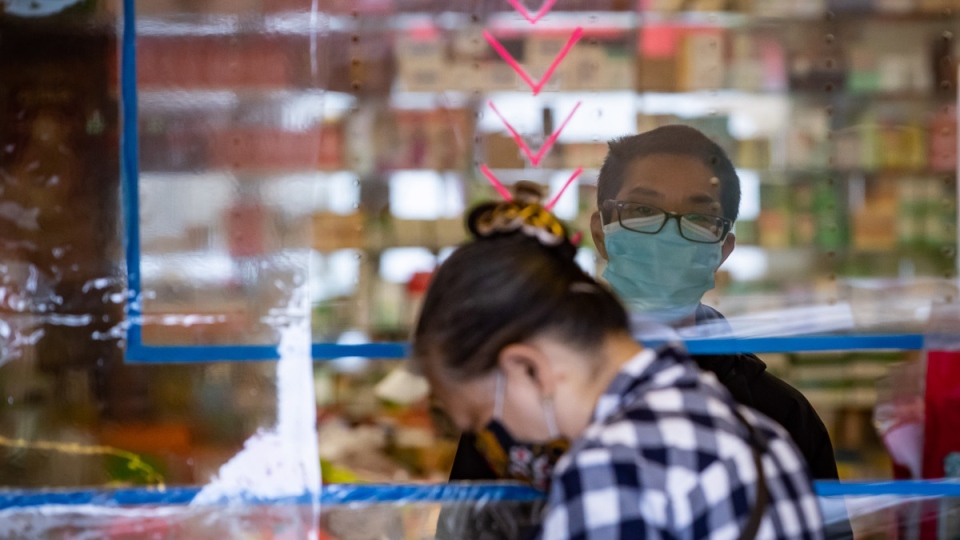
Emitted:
<point x="509" y="457"/>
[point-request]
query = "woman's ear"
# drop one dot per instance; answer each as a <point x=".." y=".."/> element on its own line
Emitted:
<point x="527" y="365"/>
<point x="596" y="230"/>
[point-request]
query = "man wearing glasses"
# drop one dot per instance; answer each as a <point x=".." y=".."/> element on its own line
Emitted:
<point x="667" y="200"/>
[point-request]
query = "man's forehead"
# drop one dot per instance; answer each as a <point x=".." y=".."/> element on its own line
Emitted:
<point x="669" y="172"/>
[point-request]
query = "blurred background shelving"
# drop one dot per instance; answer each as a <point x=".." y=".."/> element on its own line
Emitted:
<point x="840" y="115"/>
<point x="348" y="140"/>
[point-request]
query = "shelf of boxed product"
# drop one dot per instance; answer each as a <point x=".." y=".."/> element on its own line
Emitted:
<point x="287" y="18"/>
<point x="305" y="22"/>
<point x="415" y="139"/>
<point x="767" y="13"/>
<point x="857" y="223"/>
<point x="426" y="55"/>
<point x="264" y="62"/>
<point x="843" y="387"/>
<point x="678" y="58"/>
<point x="293" y="16"/>
<point x="194" y="143"/>
<point x="412" y="129"/>
<point x="840" y="380"/>
<point x="884" y="213"/>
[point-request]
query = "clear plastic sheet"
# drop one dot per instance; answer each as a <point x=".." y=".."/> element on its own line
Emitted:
<point x="864" y="308"/>
<point x="74" y="412"/>
<point x="899" y="416"/>
<point x="160" y="522"/>
<point x="894" y="511"/>
<point x="847" y="224"/>
<point x="235" y="167"/>
<point x="896" y="517"/>
<point x="943" y="330"/>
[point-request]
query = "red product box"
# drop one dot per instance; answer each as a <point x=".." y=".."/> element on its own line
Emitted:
<point x="266" y="149"/>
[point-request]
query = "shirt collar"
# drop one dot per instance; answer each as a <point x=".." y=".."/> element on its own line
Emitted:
<point x="629" y="376"/>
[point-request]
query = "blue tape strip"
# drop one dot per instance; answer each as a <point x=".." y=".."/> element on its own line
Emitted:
<point x="157" y="354"/>
<point x="900" y="488"/>
<point x="439" y="493"/>
<point x="806" y="344"/>
<point x="129" y="167"/>
<point x="138" y="352"/>
<point x="341" y="494"/>
<point x="337" y="494"/>
<point x="150" y="354"/>
<point x="121" y="497"/>
<point x="327" y="351"/>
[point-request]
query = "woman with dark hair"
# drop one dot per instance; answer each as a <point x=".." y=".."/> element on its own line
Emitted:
<point x="527" y="351"/>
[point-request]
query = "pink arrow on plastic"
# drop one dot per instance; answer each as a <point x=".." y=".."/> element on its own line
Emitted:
<point x="497" y="184"/>
<point x="547" y="144"/>
<point x="556" y="198"/>
<point x="536" y="86"/>
<point x="505" y="193"/>
<point x="544" y="9"/>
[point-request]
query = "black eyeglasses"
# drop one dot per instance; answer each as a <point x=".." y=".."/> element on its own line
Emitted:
<point x="646" y="219"/>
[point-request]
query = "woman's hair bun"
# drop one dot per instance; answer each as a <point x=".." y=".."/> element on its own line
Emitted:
<point x="492" y="219"/>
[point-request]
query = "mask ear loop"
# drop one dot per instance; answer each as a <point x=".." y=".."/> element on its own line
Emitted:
<point x="551" y="418"/>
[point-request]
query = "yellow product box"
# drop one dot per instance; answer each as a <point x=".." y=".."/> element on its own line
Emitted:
<point x="332" y="232"/>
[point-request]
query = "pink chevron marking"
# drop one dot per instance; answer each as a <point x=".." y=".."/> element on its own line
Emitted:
<point x="536" y="86"/>
<point x="556" y="198"/>
<point x="497" y="184"/>
<point x="544" y="9"/>
<point x="547" y="144"/>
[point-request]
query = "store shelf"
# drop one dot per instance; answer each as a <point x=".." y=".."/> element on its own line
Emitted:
<point x="592" y="22"/>
<point x="200" y="100"/>
<point x="842" y="173"/>
<point x="180" y="24"/>
<point x="459" y="97"/>
<point x="306" y="23"/>
<point x="230" y="174"/>
<point x="160" y="99"/>
<point x="798" y="16"/>
<point x="845" y="252"/>
<point x="770" y="177"/>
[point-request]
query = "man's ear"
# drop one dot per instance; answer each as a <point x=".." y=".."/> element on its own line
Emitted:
<point x="528" y="365"/>
<point x="596" y="230"/>
<point x="729" y="243"/>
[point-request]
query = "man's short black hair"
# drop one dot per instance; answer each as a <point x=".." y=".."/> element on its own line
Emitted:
<point x="676" y="140"/>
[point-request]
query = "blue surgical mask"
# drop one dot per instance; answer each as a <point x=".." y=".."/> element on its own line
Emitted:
<point x="662" y="275"/>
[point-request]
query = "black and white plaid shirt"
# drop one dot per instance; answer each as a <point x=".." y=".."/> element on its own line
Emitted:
<point x="665" y="457"/>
